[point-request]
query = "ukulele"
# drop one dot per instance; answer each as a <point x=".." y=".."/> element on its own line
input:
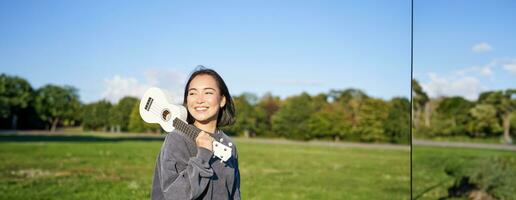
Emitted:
<point x="154" y="108"/>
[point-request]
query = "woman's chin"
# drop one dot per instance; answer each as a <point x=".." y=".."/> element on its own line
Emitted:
<point x="203" y="119"/>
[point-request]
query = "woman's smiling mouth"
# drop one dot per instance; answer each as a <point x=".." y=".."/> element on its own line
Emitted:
<point x="201" y="108"/>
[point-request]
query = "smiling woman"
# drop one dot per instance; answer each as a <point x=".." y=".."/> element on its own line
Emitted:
<point x="188" y="170"/>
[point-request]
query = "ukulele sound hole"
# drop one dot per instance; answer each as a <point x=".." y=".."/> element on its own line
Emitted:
<point x="166" y="115"/>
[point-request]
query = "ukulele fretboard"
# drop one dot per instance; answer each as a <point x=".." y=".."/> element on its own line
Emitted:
<point x="189" y="130"/>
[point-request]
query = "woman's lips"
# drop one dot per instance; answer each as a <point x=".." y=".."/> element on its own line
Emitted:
<point x="201" y="108"/>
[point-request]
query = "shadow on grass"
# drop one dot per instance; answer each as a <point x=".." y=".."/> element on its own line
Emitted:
<point x="74" y="138"/>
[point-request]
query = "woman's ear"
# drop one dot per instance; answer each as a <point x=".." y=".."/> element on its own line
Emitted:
<point x="223" y="101"/>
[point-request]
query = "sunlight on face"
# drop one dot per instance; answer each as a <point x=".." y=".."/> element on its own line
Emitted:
<point x="204" y="99"/>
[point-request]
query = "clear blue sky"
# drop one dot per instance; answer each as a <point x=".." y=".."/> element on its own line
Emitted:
<point x="108" y="49"/>
<point x="464" y="47"/>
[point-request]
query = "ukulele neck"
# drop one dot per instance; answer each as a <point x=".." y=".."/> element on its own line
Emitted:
<point x="189" y="130"/>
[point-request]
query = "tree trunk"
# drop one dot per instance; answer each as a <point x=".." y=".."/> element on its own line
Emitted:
<point x="415" y="115"/>
<point x="336" y="138"/>
<point x="506" y="128"/>
<point x="428" y="113"/>
<point x="54" y="124"/>
<point x="14" y="124"/>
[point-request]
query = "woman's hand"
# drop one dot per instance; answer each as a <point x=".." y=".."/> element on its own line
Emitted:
<point x="204" y="140"/>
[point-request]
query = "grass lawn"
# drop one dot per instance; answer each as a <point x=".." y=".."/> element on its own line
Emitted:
<point x="462" y="138"/>
<point x="99" y="167"/>
<point x="430" y="163"/>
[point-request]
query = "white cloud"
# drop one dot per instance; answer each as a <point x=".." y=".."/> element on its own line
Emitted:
<point x="119" y="87"/>
<point x="467" y="82"/>
<point x="481" y="47"/>
<point x="465" y="86"/>
<point x="170" y="81"/>
<point x="486" y="71"/>
<point x="510" y="66"/>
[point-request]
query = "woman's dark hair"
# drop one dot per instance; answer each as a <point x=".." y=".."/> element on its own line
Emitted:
<point x="227" y="112"/>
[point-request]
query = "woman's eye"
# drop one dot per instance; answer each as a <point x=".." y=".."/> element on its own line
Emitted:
<point x="191" y="93"/>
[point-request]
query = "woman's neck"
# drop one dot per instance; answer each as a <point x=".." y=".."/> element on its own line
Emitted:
<point x="208" y="127"/>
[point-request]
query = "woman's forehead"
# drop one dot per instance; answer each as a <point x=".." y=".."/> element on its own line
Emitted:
<point x="203" y="82"/>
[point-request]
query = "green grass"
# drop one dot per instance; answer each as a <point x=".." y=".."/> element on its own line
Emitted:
<point x="429" y="164"/>
<point x="462" y="138"/>
<point x="106" y="168"/>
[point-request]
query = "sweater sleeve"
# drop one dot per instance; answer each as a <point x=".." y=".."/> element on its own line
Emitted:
<point x="182" y="176"/>
<point x="236" y="194"/>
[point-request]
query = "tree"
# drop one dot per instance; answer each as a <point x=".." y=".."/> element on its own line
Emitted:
<point x="55" y="104"/>
<point x="330" y="121"/>
<point x="137" y="125"/>
<point x="119" y="114"/>
<point x="245" y="119"/>
<point x="484" y="120"/>
<point x="352" y="101"/>
<point x="266" y="107"/>
<point x="452" y="115"/>
<point x="419" y="100"/>
<point x="96" y="115"/>
<point x="15" y="95"/>
<point x="397" y="126"/>
<point x="291" y="120"/>
<point x="505" y="103"/>
<point x="372" y="114"/>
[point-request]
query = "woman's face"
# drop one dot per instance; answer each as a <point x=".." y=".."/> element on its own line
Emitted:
<point x="204" y="98"/>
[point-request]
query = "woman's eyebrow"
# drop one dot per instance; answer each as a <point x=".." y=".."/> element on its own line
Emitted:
<point x="207" y="88"/>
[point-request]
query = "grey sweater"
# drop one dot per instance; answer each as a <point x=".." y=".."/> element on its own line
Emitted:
<point x="185" y="171"/>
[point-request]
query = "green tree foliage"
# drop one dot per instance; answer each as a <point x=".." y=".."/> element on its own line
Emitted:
<point x="330" y="122"/>
<point x="371" y="116"/>
<point x="484" y="122"/>
<point x="15" y="95"/>
<point x="137" y="125"/>
<point x="505" y="103"/>
<point x="490" y="116"/>
<point x="291" y="120"/>
<point x="452" y="116"/>
<point x="96" y="116"/>
<point x="119" y="114"/>
<point x="419" y="100"/>
<point x="397" y="125"/>
<point x="352" y="100"/>
<point x="246" y="116"/>
<point x="55" y="104"/>
<point x="340" y="114"/>
<point x="266" y="107"/>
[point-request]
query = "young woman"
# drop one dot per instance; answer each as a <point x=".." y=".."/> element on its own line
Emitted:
<point x="187" y="169"/>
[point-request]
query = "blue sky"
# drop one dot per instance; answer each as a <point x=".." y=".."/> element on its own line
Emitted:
<point x="464" y="47"/>
<point x="109" y="49"/>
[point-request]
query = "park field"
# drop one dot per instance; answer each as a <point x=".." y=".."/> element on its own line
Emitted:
<point x="100" y="167"/>
<point x="435" y="170"/>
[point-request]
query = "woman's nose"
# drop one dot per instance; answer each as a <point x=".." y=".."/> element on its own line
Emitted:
<point x="200" y="98"/>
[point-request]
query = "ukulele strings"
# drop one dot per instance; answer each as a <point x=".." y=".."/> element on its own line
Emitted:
<point x="158" y="110"/>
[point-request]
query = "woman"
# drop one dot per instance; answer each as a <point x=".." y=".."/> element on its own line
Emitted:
<point x="187" y="169"/>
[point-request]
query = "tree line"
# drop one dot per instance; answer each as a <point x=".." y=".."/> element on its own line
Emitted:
<point x="348" y="114"/>
<point x="493" y="114"/>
